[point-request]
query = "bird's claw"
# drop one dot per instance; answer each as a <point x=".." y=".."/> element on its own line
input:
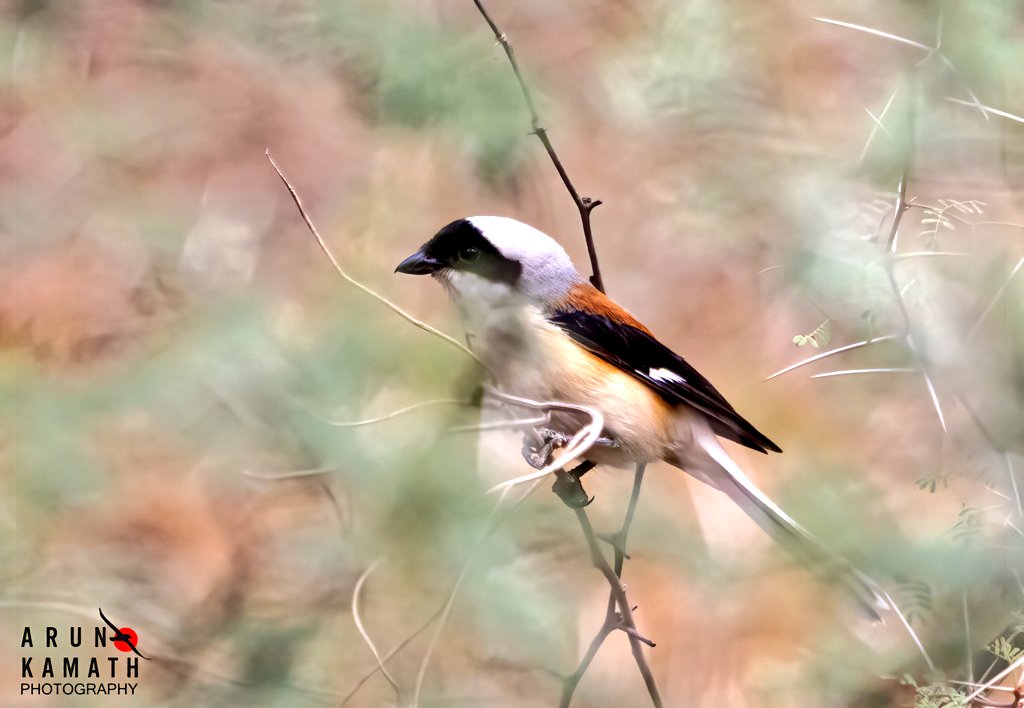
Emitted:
<point x="538" y="444"/>
<point x="570" y="490"/>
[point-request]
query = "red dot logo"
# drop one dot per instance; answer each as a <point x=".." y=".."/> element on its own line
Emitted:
<point x="122" y="645"/>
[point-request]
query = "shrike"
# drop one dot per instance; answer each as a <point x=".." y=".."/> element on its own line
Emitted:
<point x="545" y="333"/>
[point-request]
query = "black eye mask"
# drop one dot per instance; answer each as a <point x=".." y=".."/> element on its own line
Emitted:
<point x="461" y="246"/>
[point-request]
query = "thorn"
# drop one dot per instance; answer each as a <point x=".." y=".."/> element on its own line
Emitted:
<point x="636" y="635"/>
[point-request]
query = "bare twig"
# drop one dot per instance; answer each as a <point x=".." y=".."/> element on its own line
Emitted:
<point x="931" y="51"/>
<point x="372" y="293"/>
<point x="611" y="618"/>
<point x="995" y="298"/>
<point x="850" y="372"/>
<point x="289" y="474"/>
<point x="877" y="33"/>
<point x="967" y="636"/>
<point x="625" y="610"/>
<point x="910" y="631"/>
<point x="1008" y="460"/>
<point x="928" y="254"/>
<point x="988" y="685"/>
<point x="365" y="635"/>
<point x="898" y="210"/>
<point x="585" y="205"/>
<point x="388" y="416"/>
<point x="878" y="125"/>
<point x="987" y="109"/>
<point x="933" y="394"/>
<point x="833" y="352"/>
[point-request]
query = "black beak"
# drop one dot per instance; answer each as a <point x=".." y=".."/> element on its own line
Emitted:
<point x="419" y="263"/>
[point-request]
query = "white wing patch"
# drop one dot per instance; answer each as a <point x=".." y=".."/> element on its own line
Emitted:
<point x="665" y="375"/>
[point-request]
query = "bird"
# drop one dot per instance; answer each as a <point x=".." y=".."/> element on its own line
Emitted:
<point x="544" y="332"/>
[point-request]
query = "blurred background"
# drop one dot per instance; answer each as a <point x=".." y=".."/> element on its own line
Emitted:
<point x="176" y="352"/>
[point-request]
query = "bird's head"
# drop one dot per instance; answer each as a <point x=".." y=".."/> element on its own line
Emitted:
<point x="495" y="255"/>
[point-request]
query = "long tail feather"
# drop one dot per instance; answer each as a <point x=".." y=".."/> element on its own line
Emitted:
<point x="715" y="467"/>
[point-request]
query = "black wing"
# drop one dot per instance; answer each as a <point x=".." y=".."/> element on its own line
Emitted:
<point x="667" y="373"/>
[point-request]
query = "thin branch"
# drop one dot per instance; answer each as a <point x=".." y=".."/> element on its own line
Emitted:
<point x="388" y="416"/>
<point x="975" y="101"/>
<point x="986" y="109"/>
<point x="611" y="620"/>
<point x="572" y="681"/>
<point x="852" y="372"/>
<point x="935" y="399"/>
<point x="833" y="352"/>
<point x="372" y="293"/>
<point x="995" y="298"/>
<point x="366" y="636"/>
<point x="877" y="125"/>
<point x="625" y="610"/>
<point x="1008" y="459"/>
<point x="910" y="631"/>
<point x="967" y="636"/>
<point x="927" y="254"/>
<point x="585" y="205"/>
<point x="932" y="51"/>
<point x="877" y="33"/>
<point x="973" y="684"/>
<point x="898" y="210"/>
<point x="997" y="678"/>
<point x="290" y="474"/>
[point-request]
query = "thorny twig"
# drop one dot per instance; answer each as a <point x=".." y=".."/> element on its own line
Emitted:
<point x="625" y="611"/>
<point x="899" y="209"/>
<point x="995" y="680"/>
<point x="585" y="205"/>
<point x="612" y="620"/>
<point x="623" y="619"/>
<point x="931" y="51"/>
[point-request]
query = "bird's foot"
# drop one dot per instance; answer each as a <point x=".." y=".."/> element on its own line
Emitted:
<point x="539" y="443"/>
<point x="569" y="488"/>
